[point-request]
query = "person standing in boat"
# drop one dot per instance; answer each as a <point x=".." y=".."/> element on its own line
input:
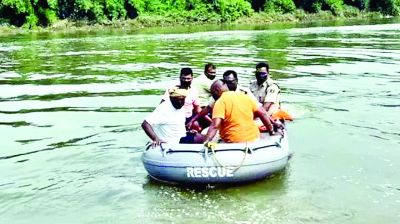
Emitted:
<point x="233" y="115"/>
<point x="167" y="122"/>
<point x="192" y="104"/>
<point x="265" y="89"/>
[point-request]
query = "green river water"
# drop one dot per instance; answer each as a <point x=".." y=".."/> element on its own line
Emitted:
<point x="71" y="106"/>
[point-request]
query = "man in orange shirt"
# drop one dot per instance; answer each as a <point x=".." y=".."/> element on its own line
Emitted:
<point x="233" y="115"/>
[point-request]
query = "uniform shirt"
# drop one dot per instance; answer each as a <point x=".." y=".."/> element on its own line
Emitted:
<point x="203" y="84"/>
<point x="191" y="100"/>
<point x="267" y="92"/>
<point x="167" y="122"/>
<point x="236" y="110"/>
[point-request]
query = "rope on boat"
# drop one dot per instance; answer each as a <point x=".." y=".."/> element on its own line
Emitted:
<point x="213" y="146"/>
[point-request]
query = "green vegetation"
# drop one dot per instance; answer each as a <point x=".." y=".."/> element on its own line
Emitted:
<point x="33" y="13"/>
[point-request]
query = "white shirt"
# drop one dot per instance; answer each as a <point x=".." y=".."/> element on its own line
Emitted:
<point x="167" y="122"/>
<point x="203" y="84"/>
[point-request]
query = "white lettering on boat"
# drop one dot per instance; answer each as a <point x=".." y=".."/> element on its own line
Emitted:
<point x="199" y="172"/>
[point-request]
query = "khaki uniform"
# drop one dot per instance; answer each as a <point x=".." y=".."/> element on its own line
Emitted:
<point x="268" y="92"/>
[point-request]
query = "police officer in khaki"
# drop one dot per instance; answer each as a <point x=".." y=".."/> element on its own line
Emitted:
<point x="265" y="89"/>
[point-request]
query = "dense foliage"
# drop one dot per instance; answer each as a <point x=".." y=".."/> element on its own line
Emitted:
<point x="30" y="13"/>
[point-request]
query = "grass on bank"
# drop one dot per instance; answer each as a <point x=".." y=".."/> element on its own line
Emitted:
<point x="144" y="21"/>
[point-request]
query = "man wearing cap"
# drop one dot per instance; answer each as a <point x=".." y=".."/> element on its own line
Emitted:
<point x="265" y="89"/>
<point x="192" y="104"/>
<point x="167" y="122"/>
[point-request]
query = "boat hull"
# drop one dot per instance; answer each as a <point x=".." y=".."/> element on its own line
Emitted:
<point x="228" y="163"/>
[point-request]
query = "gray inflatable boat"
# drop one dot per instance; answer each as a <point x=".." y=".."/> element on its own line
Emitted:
<point x="227" y="163"/>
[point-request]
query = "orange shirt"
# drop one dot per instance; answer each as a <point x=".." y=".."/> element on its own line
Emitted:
<point x="237" y="112"/>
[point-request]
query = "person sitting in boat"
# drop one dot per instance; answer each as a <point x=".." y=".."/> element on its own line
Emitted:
<point x="265" y="89"/>
<point x="166" y="122"/>
<point x="230" y="78"/>
<point x="233" y="115"/>
<point x="192" y="104"/>
<point x="203" y="83"/>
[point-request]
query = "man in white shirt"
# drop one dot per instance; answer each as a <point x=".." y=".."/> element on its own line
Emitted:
<point x="167" y="122"/>
<point x="203" y="83"/>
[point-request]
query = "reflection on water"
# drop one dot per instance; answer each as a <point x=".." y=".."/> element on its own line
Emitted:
<point x="71" y="106"/>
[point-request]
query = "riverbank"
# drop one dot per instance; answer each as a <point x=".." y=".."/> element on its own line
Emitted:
<point x="262" y="18"/>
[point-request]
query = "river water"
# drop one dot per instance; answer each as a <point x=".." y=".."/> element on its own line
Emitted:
<point x="71" y="106"/>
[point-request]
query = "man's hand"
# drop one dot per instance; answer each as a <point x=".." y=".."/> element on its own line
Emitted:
<point x="210" y="145"/>
<point x="189" y="125"/>
<point x="156" y="142"/>
<point x="150" y="132"/>
<point x="277" y="125"/>
<point x="271" y="133"/>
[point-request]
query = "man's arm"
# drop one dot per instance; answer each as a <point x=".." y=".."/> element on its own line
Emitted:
<point x="212" y="130"/>
<point x="197" y="108"/>
<point x="203" y="113"/>
<point x="152" y="135"/>
<point x="271" y="98"/>
<point x="267" y="106"/>
<point x="265" y="118"/>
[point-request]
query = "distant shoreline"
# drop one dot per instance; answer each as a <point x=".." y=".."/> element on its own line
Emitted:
<point x="299" y="16"/>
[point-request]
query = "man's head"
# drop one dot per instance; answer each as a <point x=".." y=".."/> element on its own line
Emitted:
<point x="217" y="88"/>
<point x="177" y="96"/>
<point x="231" y="80"/>
<point x="262" y="72"/>
<point x="186" y="77"/>
<point x="210" y="71"/>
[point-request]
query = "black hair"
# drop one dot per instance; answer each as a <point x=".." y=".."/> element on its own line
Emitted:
<point x="208" y="65"/>
<point x="229" y="72"/>
<point x="262" y="64"/>
<point x="186" y="71"/>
